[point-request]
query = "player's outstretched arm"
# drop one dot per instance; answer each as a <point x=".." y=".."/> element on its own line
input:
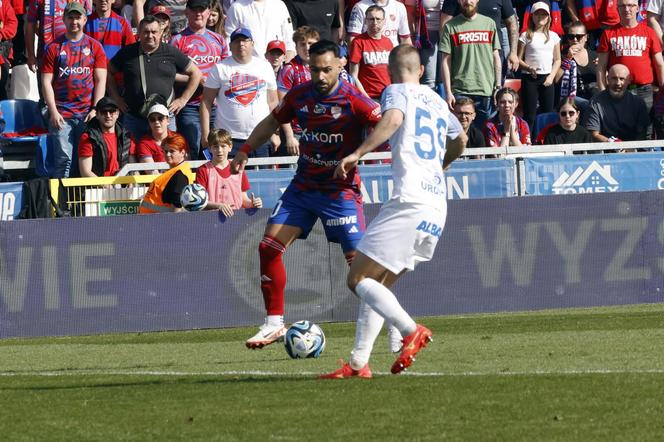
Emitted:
<point x="386" y="127"/>
<point x="259" y="136"/>
<point x="454" y="149"/>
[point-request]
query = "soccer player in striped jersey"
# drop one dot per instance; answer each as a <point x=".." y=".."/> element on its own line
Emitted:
<point x="333" y="116"/>
<point x="422" y="133"/>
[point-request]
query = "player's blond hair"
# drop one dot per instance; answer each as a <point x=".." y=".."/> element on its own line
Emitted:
<point x="405" y="57"/>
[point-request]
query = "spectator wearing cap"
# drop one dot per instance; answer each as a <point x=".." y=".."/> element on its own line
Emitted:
<point x="45" y="19"/>
<point x="267" y="20"/>
<point x="323" y="15"/>
<point x="105" y="147"/>
<point x="294" y="73"/>
<point x="205" y="48"/>
<point x="343" y="58"/>
<point x="275" y="54"/>
<point x="73" y="80"/>
<point x="161" y="63"/>
<point x="109" y="28"/>
<point x="163" y="16"/>
<point x="149" y="147"/>
<point x="175" y="11"/>
<point x="246" y="91"/>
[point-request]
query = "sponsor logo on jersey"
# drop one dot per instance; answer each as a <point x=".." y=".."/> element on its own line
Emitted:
<point x="319" y="162"/>
<point x="74" y="70"/>
<point x="321" y="137"/>
<point x="319" y="109"/>
<point x="205" y="59"/>
<point x="304" y="109"/>
<point x="471" y="37"/>
<point x="592" y="179"/>
<point x="341" y="221"/>
<point x="430" y="228"/>
<point x="353" y="229"/>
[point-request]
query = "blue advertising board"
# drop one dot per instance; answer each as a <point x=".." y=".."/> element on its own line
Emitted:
<point x="594" y="173"/>
<point x="465" y="180"/>
<point x="10" y="200"/>
<point x="198" y="270"/>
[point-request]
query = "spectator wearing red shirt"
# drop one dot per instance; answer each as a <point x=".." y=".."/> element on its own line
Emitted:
<point x="108" y="28"/>
<point x="634" y="45"/>
<point x="105" y="147"/>
<point x="73" y="80"/>
<point x="149" y="146"/>
<point x="505" y="128"/>
<point x="369" y="53"/>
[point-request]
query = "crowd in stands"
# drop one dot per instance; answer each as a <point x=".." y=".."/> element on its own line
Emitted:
<point x="118" y="78"/>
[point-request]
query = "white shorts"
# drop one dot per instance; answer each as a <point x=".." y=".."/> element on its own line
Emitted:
<point x="403" y="234"/>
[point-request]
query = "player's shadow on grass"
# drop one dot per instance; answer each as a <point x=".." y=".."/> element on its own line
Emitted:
<point x="226" y="379"/>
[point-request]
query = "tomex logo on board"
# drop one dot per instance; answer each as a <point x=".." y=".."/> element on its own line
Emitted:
<point x="592" y="179"/>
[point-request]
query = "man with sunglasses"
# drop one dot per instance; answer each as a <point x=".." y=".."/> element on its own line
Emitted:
<point x="105" y="145"/>
<point x="635" y="45"/>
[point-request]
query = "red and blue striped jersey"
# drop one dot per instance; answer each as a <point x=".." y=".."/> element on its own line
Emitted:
<point x="205" y="50"/>
<point x="292" y="74"/>
<point x="72" y="64"/>
<point x="48" y="13"/>
<point x="113" y="33"/>
<point x="333" y="127"/>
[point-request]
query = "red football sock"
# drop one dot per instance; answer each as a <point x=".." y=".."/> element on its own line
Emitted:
<point x="273" y="274"/>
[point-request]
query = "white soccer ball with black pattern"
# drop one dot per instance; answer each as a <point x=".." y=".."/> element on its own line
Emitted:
<point x="304" y="339"/>
<point x="194" y="197"/>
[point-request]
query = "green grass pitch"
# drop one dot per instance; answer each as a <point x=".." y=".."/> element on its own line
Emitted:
<point x="564" y="375"/>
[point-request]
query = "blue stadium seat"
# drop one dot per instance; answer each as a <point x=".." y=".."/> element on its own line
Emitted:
<point x="24" y="117"/>
<point x="542" y="121"/>
<point x="20" y="116"/>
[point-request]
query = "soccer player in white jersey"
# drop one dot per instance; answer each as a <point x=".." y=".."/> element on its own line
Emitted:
<point x="422" y="132"/>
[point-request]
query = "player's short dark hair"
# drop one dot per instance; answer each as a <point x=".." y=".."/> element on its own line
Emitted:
<point x="323" y="46"/>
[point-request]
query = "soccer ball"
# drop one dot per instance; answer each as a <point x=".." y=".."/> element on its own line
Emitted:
<point x="304" y="339"/>
<point x="194" y="197"/>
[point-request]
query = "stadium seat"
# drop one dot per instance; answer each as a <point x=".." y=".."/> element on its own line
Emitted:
<point x="543" y="121"/>
<point x="23" y="132"/>
<point x="21" y="120"/>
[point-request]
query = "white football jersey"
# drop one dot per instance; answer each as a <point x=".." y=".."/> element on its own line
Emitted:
<point x="418" y="146"/>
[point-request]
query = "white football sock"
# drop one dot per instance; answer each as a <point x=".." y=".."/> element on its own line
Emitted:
<point x="274" y="320"/>
<point x="367" y="328"/>
<point x="383" y="301"/>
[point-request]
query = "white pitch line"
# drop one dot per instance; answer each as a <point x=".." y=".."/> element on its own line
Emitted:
<point x="263" y="373"/>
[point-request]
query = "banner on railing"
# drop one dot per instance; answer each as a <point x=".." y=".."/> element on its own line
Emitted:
<point x="465" y="180"/>
<point x="10" y="200"/>
<point x="594" y="173"/>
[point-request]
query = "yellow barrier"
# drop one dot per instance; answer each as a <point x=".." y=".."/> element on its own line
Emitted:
<point x="103" y="196"/>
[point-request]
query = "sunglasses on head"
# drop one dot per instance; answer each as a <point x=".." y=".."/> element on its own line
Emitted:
<point x="567" y="113"/>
